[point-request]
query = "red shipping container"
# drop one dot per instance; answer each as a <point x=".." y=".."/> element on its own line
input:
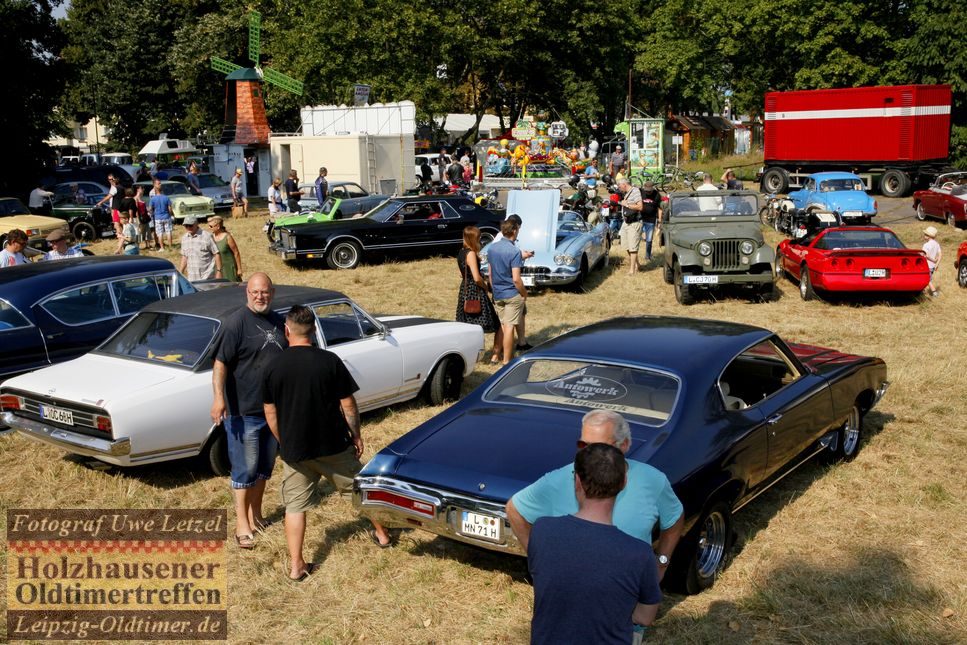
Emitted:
<point x="904" y="123"/>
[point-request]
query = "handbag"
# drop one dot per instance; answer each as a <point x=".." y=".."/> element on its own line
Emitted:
<point x="470" y="306"/>
<point x="238" y="211"/>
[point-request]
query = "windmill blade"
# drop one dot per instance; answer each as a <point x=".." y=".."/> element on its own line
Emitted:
<point x="254" y="36"/>
<point x="285" y="82"/>
<point x="223" y="66"/>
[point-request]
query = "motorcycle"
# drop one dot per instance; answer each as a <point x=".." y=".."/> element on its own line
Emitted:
<point x="798" y="223"/>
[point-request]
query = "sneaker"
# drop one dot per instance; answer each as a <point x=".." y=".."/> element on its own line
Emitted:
<point x="935" y="294"/>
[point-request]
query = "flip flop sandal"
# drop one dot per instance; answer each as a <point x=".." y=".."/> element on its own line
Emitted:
<point x="375" y="539"/>
<point x="245" y="541"/>
<point x="309" y="570"/>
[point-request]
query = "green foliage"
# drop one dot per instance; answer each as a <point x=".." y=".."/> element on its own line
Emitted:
<point x="958" y="146"/>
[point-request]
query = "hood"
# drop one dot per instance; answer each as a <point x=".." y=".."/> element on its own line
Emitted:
<point x="538" y="212"/>
<point x="690" y="235"/>
<point x="35" y="222"/>
<point x="94" y="379"/>
<point x="822" y="359"/>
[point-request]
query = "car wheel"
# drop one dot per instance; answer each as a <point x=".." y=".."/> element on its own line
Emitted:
<point x="445" y="382"/>
<point x="486" y="237"/>
<point x="578" y="283"/>
<point x="850" y="434"/>
<point x="684" y="294"/>
<point x="775" y="180"/>
<point x="667" y="274"/>
<point x="780" y="266"/>
<point x="84" y="231"/>
<point x="767" y="292"/>
<point x="921" y="215"/>
<point x="344" y="255"/>
<point x="805" y="286"/>
<point x="894" y="183"/>
<point x="962" y="272"/>
<point x="215" y="453"/>
<point x="951" y="220"/>
<point x="702" y="554"/>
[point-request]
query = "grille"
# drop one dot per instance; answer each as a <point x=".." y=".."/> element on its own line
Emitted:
<point x="198" y="208"/>
<point x="535" y="270"/>
<point x="284" y="238"/>
<point x="725" y="255"/>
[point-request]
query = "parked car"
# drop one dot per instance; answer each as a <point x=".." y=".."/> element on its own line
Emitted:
<point x="354" y="199"/>
<point x="867" y="259"/>
<point x="397" y="226"/>
<point x="328" y="212"/>
<point x="88" y="188"/>
<point x="212" y="186"/>
<point x="183" y="203"/>
<point x="945" y="200"/>
<point x="117" y="158"/>
<point x="162" y="360"/>
<point x="13" y="214"/>
<point x="432" y="158"/>
<point x="713" y="239"/>
<point x="86" y="221"/>
<point x="842" y="193"/>
<point x="49" y="314"/>
<point x="724" y="410"/>
<point x="573" y="248"/>
<point x="960" y="264"/>
<point x="96" y="174"/>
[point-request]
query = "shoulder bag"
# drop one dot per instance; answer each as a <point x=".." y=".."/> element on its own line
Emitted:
<point x="470" y="306"/>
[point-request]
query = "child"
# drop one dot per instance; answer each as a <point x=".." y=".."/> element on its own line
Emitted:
<point x="129" y="235"/>
<point x="931" y="249"/>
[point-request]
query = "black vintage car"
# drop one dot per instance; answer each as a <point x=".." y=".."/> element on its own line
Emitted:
<point x="401" y="225"/>
<point x="87" y="221"/>
<point x="724" y="410"/>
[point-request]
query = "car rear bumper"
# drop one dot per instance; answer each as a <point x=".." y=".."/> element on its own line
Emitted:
<point x="442" y="511"/>
<point x="70" y="441"/>
<point x="845" y="282"/>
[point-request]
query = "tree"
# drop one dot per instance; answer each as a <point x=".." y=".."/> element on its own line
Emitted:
<point x="28" y="119"/>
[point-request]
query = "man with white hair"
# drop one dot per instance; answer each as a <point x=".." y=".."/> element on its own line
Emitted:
<point x="616" y="164"/>
<point x="647" y="499"/>
<point x="631" y="226"/>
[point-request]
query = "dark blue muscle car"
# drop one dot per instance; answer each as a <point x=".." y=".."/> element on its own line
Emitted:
<point x="724" y="410"/>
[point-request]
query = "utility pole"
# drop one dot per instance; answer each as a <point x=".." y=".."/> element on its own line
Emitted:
<point x="628" y="100"/>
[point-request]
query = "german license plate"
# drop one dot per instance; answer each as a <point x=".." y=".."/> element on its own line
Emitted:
<point x="874" y="273"/>
<point x="853" y="214"/>
<point x="483" y="526"/>
<point x="528" y="280"/>
<point x="58" y="415"/>
<point x="700" y="279"/>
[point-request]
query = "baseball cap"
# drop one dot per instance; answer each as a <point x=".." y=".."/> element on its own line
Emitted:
<point x="191" y="220"/>
<point x="56" y="234"/>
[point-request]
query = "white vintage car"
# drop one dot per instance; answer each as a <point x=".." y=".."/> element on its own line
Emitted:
<point x="144" y="395"/>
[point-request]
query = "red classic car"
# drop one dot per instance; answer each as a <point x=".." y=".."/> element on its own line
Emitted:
<point x="946" y="199"/>
<point x="852" y="259"/>
<point x="960" y="263"/>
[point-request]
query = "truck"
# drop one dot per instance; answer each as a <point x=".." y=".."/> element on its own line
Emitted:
<point x="893" y="137"/>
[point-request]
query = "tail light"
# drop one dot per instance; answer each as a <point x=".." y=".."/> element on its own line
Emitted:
<point x="103" y="423"/>
<point x="874" y="205"/>
<point x="835" y="262"/>
<point x="11" y="402"/>
<point x="849" y="262"/>
<point x="904" y="262"/>
<point x="420" y="508"/>
<point x="919" y="261"/>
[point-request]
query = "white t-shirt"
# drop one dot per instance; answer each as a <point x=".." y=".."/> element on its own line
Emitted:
<point x="10" y="259"/>
<point x="932" y="248"/>
<point x="275" y="198"/>
<point x="709" y="203"/>
<point x="37" y="196"/>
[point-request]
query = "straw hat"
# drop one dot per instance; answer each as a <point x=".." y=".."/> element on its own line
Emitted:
<point x="930" y="231"/>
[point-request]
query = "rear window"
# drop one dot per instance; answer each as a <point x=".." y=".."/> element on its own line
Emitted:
<point x="10" y="318"/>
<point x="174" y="339"/>
<point x="859" y="240"/>
<point x="640" y="395"/>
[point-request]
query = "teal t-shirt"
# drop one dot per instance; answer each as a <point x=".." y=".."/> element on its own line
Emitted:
<point x="647" y="499"/>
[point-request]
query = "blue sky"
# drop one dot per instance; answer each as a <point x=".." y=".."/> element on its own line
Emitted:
<point x="60" y="11"/>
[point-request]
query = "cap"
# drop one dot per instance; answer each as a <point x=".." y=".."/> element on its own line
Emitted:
<point x="56" y="234"/>
<point x="191" y="220"/>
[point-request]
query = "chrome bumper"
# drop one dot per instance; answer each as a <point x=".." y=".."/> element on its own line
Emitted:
<point x="446" y="512"/>
<point x="69" y="441"/>
<point x="880" y="391"/>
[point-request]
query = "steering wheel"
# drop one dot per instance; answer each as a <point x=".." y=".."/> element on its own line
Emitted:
<point x="948" y="186"/>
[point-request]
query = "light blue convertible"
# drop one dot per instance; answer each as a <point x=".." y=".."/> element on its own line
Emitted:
<point x="566" y="248"/>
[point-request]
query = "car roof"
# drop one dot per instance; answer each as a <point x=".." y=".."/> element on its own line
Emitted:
<point x="219" y="303"/>
<point x="151" y="183"/>
<point x="24" y="284"/>
<point x="691" y="347"/>
<point x="331" y="183"/>
<point x="9" y="199"/>
<point x="819" y="176"/>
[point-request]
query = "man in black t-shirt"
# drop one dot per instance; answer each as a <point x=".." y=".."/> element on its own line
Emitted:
<point x="292" y="192"/>
<point x="651" y="214"/>
<point x="248" y="340"/>
<point x="310" y="408"/>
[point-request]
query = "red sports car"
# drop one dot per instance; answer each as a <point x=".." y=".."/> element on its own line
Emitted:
<point x="960" y="263"/>
<point x="946" y="199"/>
<point x="853" y="259"/>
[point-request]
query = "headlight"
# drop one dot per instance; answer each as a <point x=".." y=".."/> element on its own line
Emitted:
<point x="180" y="207"/>
<point x="565" y="260"/>
<point x="746" y="248"/>
<point x="705" y="249"/>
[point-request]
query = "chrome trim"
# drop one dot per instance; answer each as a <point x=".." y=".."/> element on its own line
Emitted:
<point x="29" y="324"/>
<point x="880" y="392"/>
<point x="75" y="443"/>
<point x="446" y="504"/>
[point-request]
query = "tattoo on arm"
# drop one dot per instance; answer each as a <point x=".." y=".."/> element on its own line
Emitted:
<point x="351" y="412"/>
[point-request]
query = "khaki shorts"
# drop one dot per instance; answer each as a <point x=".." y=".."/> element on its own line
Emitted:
<point x="630" y="236"/>
<point x="300" y="481"/>
<point x="510" y="311"/>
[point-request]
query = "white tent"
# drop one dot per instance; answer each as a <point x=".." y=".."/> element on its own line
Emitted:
<point x="168" y="147"/>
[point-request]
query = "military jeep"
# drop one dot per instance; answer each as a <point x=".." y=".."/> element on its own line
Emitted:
<point x="713" y="238"/>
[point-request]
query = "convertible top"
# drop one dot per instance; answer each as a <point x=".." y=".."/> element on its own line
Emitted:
<point x="219" y="303"/>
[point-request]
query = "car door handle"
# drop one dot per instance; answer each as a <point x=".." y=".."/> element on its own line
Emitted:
<point x="774" y="419"/>
<point x="51" y="336"/>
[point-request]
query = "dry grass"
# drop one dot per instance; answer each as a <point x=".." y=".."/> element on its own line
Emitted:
<point x="866" y="552"/>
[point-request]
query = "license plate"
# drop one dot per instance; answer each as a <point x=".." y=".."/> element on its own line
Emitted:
<point x="528" y="280"/>
<point x="700" y="279"/>
<point x="853" y="214"/>
<point x="874" y="273"/>
<point x="478" y="525"/>
<point x="59" y="415"/>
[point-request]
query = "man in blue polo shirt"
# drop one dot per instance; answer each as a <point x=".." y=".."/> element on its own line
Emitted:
<point x="647" y="499"/>
<point x="505" y="262"/>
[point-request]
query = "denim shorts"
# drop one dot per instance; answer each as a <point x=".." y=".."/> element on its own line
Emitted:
<point x="251" y="449"/>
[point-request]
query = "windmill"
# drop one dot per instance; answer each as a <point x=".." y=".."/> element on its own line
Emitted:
<point x="245" y="120"/>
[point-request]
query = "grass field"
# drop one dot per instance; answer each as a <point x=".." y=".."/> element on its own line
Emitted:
<point x="866" y="552"/>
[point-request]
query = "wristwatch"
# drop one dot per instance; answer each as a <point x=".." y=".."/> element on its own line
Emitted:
<point x="663" y="560"/>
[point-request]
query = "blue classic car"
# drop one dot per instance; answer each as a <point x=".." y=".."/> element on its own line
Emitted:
<point x="724" y="410"/>
<point x="566" y="248"/>
<point x="52" y="312"/>
<point x="842" y="193"/>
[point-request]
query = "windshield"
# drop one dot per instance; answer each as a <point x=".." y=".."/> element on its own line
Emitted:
<point x="641" y="395"/>
<point x="859" y="240"/>
<point x="836" y="185"/>
<point x="211" y="181"/>
<point x="712" y="204"/>
<point x="383" y="212"/>
<point x="174" y="188"/>
<point x="174" y="339"/>
<point x="12" y="207"/>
